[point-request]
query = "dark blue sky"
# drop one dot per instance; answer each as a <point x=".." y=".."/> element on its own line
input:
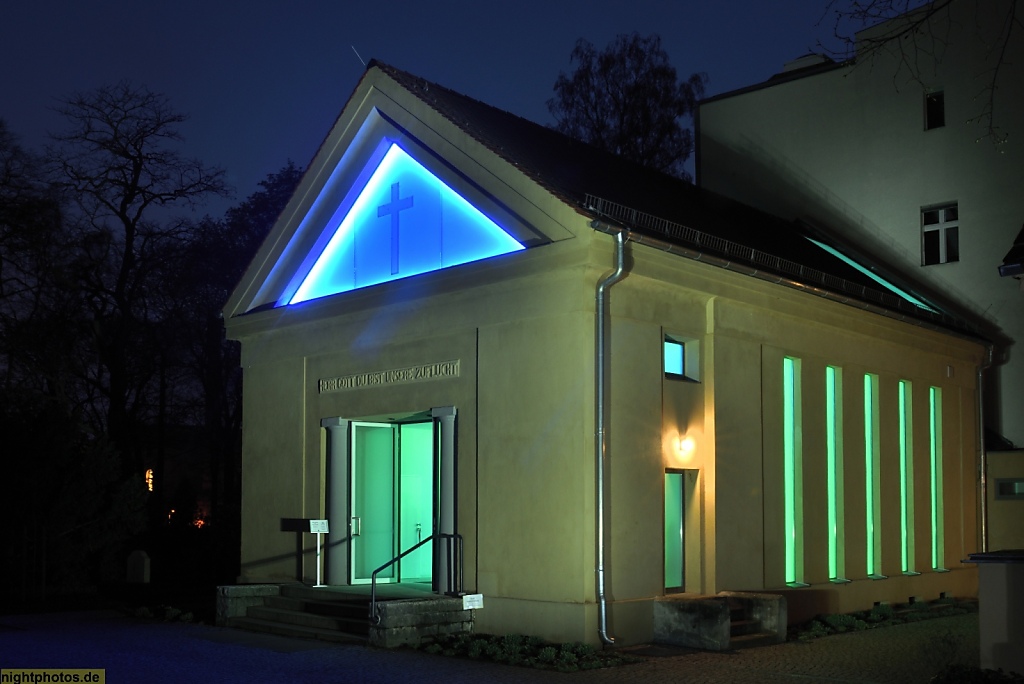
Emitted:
<point x="262" y="82"/>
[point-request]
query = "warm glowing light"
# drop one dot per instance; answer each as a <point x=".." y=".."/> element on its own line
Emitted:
<point x="686" y="446"/>
<point x="149" y="479"/>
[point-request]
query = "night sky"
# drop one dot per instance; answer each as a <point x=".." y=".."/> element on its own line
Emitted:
<point x="262" y="82"/>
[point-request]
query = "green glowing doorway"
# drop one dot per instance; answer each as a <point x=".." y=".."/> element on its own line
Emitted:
<point x="393" y="500"/>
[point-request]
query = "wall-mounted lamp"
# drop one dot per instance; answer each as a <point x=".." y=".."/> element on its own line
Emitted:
<point x="685" y="446"/>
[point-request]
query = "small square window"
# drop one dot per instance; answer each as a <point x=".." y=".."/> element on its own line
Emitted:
<point x="1010" y="488"/>
<point x="675" y="355"/>
<point x="681" y="358"/>
<point x="934" y="110"/>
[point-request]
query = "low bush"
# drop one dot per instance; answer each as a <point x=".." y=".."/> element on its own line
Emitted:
<point x="882" y="615"/>
<point x="528" y="651"/>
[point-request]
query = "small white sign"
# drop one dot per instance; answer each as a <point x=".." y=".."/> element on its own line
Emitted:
<point x="472" y="601"/>
<point x="318" y="526"/>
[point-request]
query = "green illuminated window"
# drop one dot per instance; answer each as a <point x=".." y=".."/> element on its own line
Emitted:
<point x="792" y="469"/>
<point x="834" y="455"/>
<point x="681" y="357"/>
<point x="935" y="449"/>
<point x="872" y="478"/>
<point x="906" y="477"/>
<point x="674" y="549"/>
<point x="675" y="357"/>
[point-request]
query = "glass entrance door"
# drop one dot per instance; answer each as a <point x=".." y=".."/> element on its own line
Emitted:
<point x="675" y="548"/>
<point x="393" y="499"/>
<point x="373" y="501"/>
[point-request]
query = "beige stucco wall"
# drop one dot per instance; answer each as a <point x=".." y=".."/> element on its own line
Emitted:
<point x="734" y="415"/>
<point x="522" y="328"/>
<point x="847" y="150"/>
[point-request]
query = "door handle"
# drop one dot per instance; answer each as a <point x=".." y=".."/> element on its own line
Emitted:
<point x="357" y="526"/>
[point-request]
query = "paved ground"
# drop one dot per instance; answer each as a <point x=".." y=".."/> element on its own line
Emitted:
<point x="132" y="650"/>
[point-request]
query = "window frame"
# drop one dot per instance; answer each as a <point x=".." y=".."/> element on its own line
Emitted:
<point x="934" y="109"/>
<point x="945" y="249"/>
<point x="689" y="349"/>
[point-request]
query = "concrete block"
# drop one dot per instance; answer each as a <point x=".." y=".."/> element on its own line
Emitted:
<point x="693" y="623"/>
<point x="767" y="610"/>
<point x="235" y="600"/>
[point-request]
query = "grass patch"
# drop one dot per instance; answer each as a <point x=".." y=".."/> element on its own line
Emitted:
<point x="527" y="651"/>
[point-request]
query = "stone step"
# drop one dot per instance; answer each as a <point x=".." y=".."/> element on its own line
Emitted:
<point x="309" y="620"/>
<point x="352" y="610"/>
<point x="753" y="640"/>
<point x="744" y="627"/>
<point x="295" y="631"/>
<point x="302" y="591"/>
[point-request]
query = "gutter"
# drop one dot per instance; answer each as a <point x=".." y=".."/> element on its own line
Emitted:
<point x="983" y="484"/>
<point x="622" y="235"/>
<point x="772" y="277"/>
<point x="601" y="448"/>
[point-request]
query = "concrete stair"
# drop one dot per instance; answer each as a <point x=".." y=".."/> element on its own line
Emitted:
<point x="726" y="621"/>
<point x="298" y="613"/>
<point x="331" y="615"/>
<point x="747" y="631"/>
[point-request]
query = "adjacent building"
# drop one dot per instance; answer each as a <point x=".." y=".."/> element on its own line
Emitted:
<point x="912" y="152"/>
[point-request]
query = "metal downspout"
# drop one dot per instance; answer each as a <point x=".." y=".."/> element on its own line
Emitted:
<point x="601" y="444"/>
<point x="981" y="445"/>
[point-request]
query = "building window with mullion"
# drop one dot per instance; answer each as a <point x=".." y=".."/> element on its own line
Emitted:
<point x="940" y="235"/>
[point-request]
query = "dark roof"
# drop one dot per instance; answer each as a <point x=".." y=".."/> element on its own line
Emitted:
<point x="573" y="171"/>
<point x="784" y="76"/>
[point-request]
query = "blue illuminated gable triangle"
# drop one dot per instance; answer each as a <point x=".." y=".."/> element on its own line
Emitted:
<point x="405" y="221"/>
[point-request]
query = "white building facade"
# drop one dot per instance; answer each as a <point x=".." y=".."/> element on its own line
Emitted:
<point x="892" y="152"/>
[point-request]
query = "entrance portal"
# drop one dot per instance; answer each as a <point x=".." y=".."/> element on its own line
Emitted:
<point x="390" y="484"/>
<point x="392" y="496"/>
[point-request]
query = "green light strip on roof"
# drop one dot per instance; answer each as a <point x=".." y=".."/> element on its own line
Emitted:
<point x="874" y="276"/>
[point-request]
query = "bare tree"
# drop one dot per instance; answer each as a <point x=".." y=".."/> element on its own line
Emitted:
<point x="123" y="182"/>
<point x="68" y="507"/>
<point x="628" y="100"/>
<point x="917" y="35"/>
<point x="217" y="255"/>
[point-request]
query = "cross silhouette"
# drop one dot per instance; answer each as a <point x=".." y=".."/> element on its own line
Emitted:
<point x="392" y="208"/>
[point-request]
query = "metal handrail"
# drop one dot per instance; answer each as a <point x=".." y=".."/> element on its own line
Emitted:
<point x="374" y="618"/>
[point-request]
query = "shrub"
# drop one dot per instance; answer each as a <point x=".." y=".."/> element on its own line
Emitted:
<point x="880" y="613"/>
<point x="517" y="649"/>
<point x="841" y="623"/>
